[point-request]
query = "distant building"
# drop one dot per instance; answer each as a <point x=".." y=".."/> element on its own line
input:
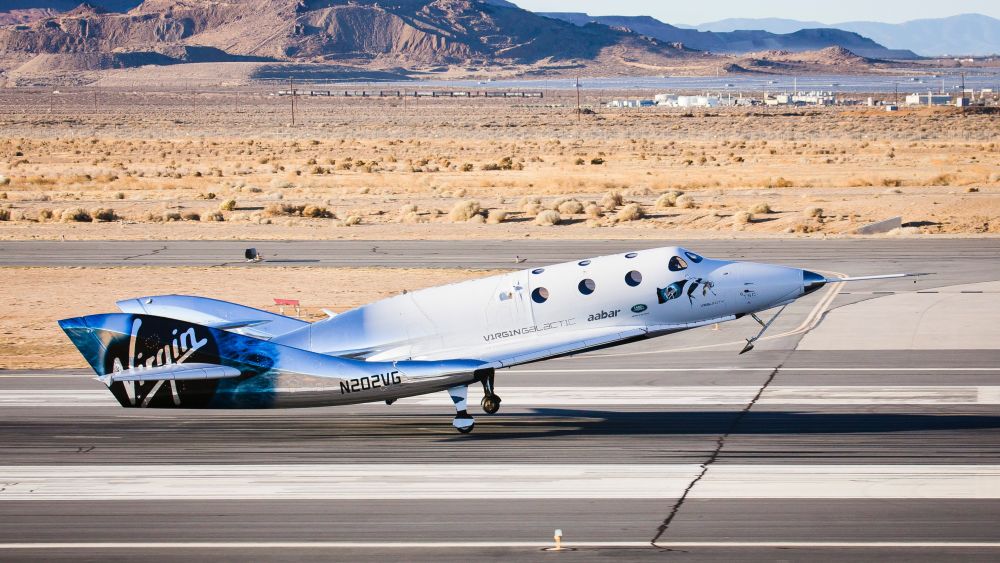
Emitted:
<point x="804" y="99"/>
<point x="672" y="100"/>
<point x="631" y="103"/>
<point x="928" y="99"/>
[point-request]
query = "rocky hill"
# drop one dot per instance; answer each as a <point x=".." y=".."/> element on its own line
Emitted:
<point x="403" y="33"/>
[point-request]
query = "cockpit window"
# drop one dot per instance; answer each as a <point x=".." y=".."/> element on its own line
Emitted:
<point x="694" y="257"/>
<point x="677" y="264"/>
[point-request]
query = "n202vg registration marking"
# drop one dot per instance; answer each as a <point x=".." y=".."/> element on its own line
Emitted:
<point x="370" y="382"/>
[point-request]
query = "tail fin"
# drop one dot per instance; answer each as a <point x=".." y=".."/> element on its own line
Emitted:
<point x="116" y="343"/>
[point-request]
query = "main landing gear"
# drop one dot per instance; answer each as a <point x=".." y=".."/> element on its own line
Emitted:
<point x="463" y="422"/>
<point x="491" y="401"/>
<point x="459" y="394"/>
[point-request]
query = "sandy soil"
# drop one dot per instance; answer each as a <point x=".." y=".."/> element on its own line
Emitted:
<point x="34" y="298"/>
<point x="223" y="165"/>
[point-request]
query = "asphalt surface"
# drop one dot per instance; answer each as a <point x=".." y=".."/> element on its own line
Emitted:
<point x="888" y="430"/>
<point x="486" y="254"/>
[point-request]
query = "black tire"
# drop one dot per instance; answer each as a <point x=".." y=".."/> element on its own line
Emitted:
<point x="466" y="429"/>
<point x="491" y="404"/>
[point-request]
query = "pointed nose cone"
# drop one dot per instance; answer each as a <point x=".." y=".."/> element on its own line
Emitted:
<point x="811" y="281"/>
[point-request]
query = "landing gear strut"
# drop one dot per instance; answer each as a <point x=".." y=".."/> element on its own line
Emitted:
<point x="463" y="422"/>
<point x="763" y="327"/>
<point x="491" y="401"/>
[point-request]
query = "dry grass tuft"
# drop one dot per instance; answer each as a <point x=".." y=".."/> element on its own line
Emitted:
<point x="668" y="199"/>
<point x="548" y="218"/>
<point x="4" y="214"/>
<point x="228" y="205"/>
<point x="593" y="211"/>
<point x="75" y="215"/>
<point x="496" y="216"/>
<point x="762" y="208"/>
<point x="813" y="212"/>
<point x="104" y="215"/>
<point x="464" y="210"/>
<point x="742" y="218"/>
<point x="570" y="207"/>
<point x="631" y="212"/>
<point x="209" y="216"/>
<point x="612" y="200"/>
<point x="685" y="202"/>
<point x="350" y="221"/>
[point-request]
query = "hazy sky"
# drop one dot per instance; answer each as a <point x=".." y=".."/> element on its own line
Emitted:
<point x="832" y="11"/>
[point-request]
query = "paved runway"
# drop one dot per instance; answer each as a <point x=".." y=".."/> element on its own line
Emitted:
<point x="847" y="454"/>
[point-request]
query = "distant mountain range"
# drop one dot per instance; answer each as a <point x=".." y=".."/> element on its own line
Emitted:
<point x="403" y="34"/>
<point x="966" y="34"/>
<point x="741" y="41"/>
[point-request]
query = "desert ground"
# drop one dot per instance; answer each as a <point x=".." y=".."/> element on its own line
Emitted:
<point x="228" y="164"/>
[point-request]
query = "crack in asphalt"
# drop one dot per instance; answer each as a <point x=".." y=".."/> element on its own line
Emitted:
<point x="153" y="253"/>
<point x="719" y="444"/>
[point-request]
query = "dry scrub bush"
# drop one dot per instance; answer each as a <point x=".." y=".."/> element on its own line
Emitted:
<point x="813" y="212"/>
<point x="412" y="217"/>
<point x="4" y="180"/>
<point x="593" y="211"/>
<point x="316" y="212"/>
<point x="228" y="205"/>
<point x="408" y="208"/>
<point x="532" y="209"/>
<point x="742" y="218"/>
<point x="4" y="214"/>
<point x="668" y="199"/>
<point x="972" y="190"/>
<point x="103" y="215"/>
<point x="631" y="212"/>
<point x="191" y="216"/>
<point x="350" y="221"/>
<point x="210" y="216"/>
<point x="464" y="210"/>
<point x="76" y="215"/>
<point x="45" y="215"/>
<point x="171" y="216"/>
<point x="612" y="200"/>
<point x="496" y="216"/>
<point x="548" y="218"/>
<point x="570" y="207"/>
<point x="761" y="208"/>
<point x="685" y="202"/>
<point x="528" y="200"/>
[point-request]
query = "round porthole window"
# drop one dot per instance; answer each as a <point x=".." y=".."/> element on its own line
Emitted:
<point x="540" y="295"/>
<point x="584" y="262"/>
<point x="587" y="287"/>
<point x="631" y="255"/>
<point x="633" y="278"/>
<point x="538" y="270"/>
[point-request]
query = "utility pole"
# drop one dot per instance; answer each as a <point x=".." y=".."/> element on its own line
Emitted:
<point x="579" y="112"/>
<point x="291" y="91"/>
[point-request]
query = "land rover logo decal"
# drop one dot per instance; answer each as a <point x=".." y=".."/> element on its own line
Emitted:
<point x="639" y="308"/>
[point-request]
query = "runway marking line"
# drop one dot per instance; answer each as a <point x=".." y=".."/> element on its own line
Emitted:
<point x="496" y="544"/>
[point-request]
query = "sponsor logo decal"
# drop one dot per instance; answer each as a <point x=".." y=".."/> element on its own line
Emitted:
<point x="639" y="308"/>
<point x="527" y="330"/>
<point x="671" y="292"/>
<point x="370" y="382"/>
<point x="179" y="350"/>
<point x="603" y="315"/>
